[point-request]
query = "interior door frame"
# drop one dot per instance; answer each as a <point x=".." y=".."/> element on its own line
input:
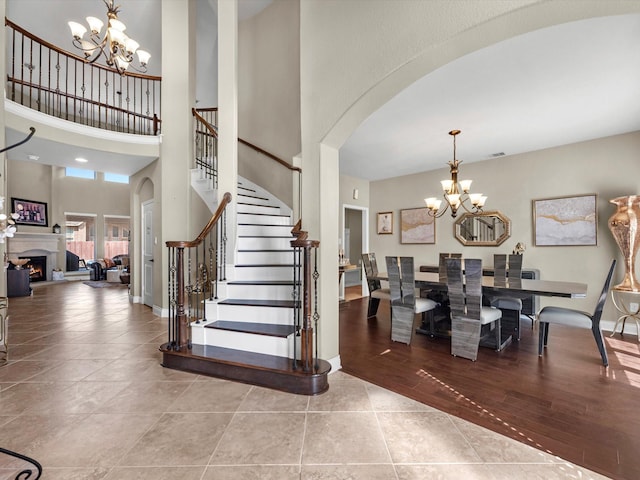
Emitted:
<point x="365" y="240"/>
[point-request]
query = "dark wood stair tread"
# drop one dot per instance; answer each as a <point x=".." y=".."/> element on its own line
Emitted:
<point x="267" y="329"/>
<point x="258" y="303"/>
<point x="248" y="367"/>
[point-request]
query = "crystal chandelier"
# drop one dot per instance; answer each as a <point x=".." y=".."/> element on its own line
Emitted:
<point x="455" y="194"/>
<point x="118" y="49"/>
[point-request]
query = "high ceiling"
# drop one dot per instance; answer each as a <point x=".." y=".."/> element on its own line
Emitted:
<point x="550" y="87"/>
<point x="559" y="85"/>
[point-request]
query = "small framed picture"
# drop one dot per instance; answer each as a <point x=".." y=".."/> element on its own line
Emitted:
<point x="31" y="212"/>
<point x="565" y="221"/>
<point x="385" y="223"/>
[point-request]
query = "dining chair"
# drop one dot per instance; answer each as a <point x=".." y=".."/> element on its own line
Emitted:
<point x="376" y="292"/>
<point x="468" y="315"/>
<point x="508" y="268"/>
<point x="442" y="266"/>
<point x="405" y="304"/>
<point x="576" y="318"/>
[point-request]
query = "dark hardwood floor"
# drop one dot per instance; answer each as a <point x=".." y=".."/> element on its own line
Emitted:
<point x="565" y="403"/>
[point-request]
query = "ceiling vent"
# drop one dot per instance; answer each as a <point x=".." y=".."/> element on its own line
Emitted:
<point x="498" y="154"/>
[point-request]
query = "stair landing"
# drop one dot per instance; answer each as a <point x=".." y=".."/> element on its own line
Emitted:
<point x="253" y="368"/>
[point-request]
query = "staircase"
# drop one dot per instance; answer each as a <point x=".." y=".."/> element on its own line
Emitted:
<point x="249" y="332"/>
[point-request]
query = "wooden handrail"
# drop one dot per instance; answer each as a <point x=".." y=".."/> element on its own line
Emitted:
<point x="30" y="35"/>
<point x="78" y="98"/>
<point x="270" y="155"/>
<point x="226" y="199"/>
<point x="210" y="129"/>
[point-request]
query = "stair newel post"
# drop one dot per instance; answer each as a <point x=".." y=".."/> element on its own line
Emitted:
<point x="224" y="245"/>
<point x="181" y="316"/>
<point x="295" y="294"/>
<point x="171" y="324"/>
<point x="316" y="315"/>
<point x="306" y="338"/>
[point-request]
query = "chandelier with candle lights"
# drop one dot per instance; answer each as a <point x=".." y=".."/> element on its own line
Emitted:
<point x="115" y="46"/>
<point x="456" y="194"/>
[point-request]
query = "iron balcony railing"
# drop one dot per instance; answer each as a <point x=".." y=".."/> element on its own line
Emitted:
<point x="50" y="80"/>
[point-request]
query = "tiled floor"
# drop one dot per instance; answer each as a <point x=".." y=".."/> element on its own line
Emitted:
<point x="85" y="395"/>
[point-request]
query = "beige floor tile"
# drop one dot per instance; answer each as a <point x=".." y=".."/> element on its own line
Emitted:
<point x="76" y="398"/>
<point x="98" y="473"/>
<point x="70" y="370"/>
<point x="214" y="396"/>
<point x="386" y="401"/>
<point x="344" y="395"/>
<point x="23" y="396"/>
<point x="145" y="397"/>
<point x="493" y="447"/>
<point x="156" y="473"/>
<point x="424" y="437"/>
<point x="266" y="400"/>
<point x="452" y="471"/>
<point x="562" y="471"/>
<point x="343" y="437"/>
<point x="351" y="472"/>
<point x="178" y="439"/>
<point x="99" y="440"/>
<point x="253" y="472"/>
<point x="23" y="370"/>
<point x="261" y="438"/>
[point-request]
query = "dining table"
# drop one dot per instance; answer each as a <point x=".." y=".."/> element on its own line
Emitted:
<point x="516" y="287"/>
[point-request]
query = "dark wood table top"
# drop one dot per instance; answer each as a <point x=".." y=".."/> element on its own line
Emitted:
<point x="515" y="287"/>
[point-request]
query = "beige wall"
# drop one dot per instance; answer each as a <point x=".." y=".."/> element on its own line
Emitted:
<point x="608" y="167"/>
<point x="356" y="55"/>
<point x="44" y="183"/>
<point x="269" y="94"/>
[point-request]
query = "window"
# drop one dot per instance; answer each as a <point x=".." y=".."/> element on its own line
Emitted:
<point x="115" y="177"/>
<point x="80" y="173"/>
<point x="80" y="235"/>
<point x="116" y="236"/>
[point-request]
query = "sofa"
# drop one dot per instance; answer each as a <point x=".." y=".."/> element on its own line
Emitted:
<point x="118" y="266"/>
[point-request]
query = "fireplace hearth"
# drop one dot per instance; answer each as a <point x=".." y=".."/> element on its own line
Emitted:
<point x="37" y="267"/>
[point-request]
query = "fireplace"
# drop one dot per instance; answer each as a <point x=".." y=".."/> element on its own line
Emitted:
<point x="33" y="245"/>
<point x="37" y="267"/>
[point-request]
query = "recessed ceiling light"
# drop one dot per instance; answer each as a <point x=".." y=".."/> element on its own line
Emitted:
<point x="81" y="160"/>
<point x="34" y="158"/>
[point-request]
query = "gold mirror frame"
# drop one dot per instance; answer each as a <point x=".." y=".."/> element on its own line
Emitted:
<point x="482" y="223"/>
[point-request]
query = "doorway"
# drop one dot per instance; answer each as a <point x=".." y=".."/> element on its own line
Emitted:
<point x="355" y="241"/>
<point x="147" y="253"/>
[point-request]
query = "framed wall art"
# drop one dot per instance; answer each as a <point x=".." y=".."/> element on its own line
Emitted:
<point x="385" y="223"/>
<point x="565" y="221"/>
<point x="31" y="212"/>
<point x="417" y="226"/>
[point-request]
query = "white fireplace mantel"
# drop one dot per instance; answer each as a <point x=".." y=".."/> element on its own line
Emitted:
<point x="27" y="243"/>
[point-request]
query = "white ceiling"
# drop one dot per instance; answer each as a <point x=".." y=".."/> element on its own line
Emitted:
<point x="142" y="18"/>
<point x="555" y="86"/>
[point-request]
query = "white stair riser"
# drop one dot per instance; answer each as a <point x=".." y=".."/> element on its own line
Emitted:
<point x="265" y="231"/>
<point x="263" y="273"/>
<point x="261" y="292"/>
<point x="282" y="347"/>
<point x="253" y="219"/>
<point x="247" y="313"/>
<point x="269" y="243"/>
<point x="255" y="199"/>
<point x="258" y="209"/>
<point x="264" y="257"/>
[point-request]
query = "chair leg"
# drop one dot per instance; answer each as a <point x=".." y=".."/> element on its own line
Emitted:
<point x="498" y="332"/>
<point x="543" y="328"/>
<point x="372" y="310"/>
<point x="597" y="334"/>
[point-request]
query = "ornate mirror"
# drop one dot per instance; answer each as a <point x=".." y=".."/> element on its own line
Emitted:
<point x="486" y="229"/>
